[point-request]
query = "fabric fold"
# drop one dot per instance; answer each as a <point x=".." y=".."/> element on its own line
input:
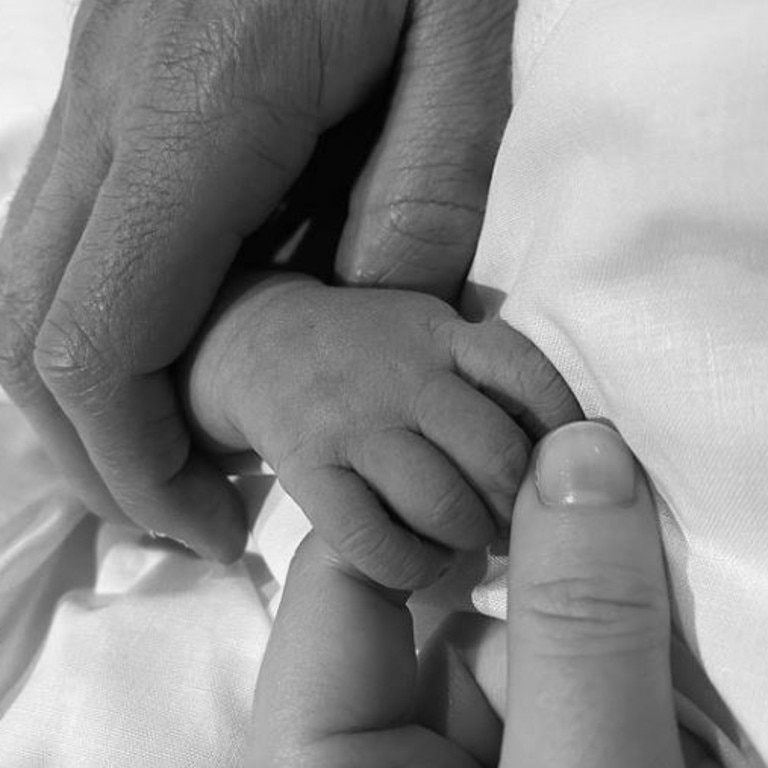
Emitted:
<point x="626" y="236"/>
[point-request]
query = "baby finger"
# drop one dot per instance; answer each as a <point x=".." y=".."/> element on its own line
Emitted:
<point x="514" y="372"/>
<point x="424" y="488"/>
<point x="491" y="450"/>
<point x="350" y="518"/>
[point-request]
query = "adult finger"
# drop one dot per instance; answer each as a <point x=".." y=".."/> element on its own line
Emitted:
<point x="111" y="324"/>
<point x="417" y="210"/>
<point x="588" y="670"/>
<point x="186" y="183"/>
<point x="351" y="518"/>
<point x="46" y="220"/>
<point x="505" y="365"/>
<point x="128" y="303"/>
<point x="337" y="683"/>
<point x="424" y="488"/>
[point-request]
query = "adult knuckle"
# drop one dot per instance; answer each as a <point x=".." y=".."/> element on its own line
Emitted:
<point x="586" y="615"/>
<point x="213" y="65"/>
<point x="430" y="221"/>
<point x="69" y="357"/>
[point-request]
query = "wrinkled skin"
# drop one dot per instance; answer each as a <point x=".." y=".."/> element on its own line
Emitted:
<point x="578" y="677"/>
<point x="400" y="429"/>
<point x="180" y="125"/>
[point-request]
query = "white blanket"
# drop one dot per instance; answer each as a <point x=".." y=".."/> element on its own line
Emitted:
<point x="627" y="235"/>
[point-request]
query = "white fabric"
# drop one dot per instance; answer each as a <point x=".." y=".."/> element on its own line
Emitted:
<point x="116" y="650"/>
<point x="33" y="47"/>
<point x="627" y="236"/>
<point x="628" y="230"/>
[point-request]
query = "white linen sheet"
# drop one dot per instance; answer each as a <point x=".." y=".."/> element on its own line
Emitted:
<point x="626" y="234"/>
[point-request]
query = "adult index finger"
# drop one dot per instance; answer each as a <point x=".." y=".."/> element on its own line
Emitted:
<point x="417" y="210"/>
<point x="45" y="222"/>
<point x="144" y="272"/>
<point x="588" y="679"/>
<point x="212" y="129"/>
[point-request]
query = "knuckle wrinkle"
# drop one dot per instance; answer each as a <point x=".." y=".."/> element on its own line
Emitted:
<point x="594" y="614"/>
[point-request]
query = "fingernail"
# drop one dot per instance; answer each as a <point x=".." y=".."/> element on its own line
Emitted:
<point x="585" y="464"/>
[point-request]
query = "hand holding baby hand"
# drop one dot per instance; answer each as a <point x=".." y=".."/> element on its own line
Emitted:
<point x="578" y="676"/>
<point x="179" y="129"/>
<point x="383" y="413"/>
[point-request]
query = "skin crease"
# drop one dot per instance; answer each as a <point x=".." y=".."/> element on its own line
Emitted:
<point x="179" y="127"/>
<point x="579" y="675"/>
<point x="86" y="339"/>
<point x="384" y="420"/>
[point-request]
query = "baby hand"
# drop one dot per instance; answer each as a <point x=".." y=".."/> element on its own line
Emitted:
<point x="388" y="418"/>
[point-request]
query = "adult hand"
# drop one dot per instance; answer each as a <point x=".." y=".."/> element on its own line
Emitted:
<point x="586" y="647"/>
<point x="178" y="128"/>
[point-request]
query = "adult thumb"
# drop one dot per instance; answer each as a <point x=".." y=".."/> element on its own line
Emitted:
<point x="588" y="679"/>
<point x="416" y="212"/>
